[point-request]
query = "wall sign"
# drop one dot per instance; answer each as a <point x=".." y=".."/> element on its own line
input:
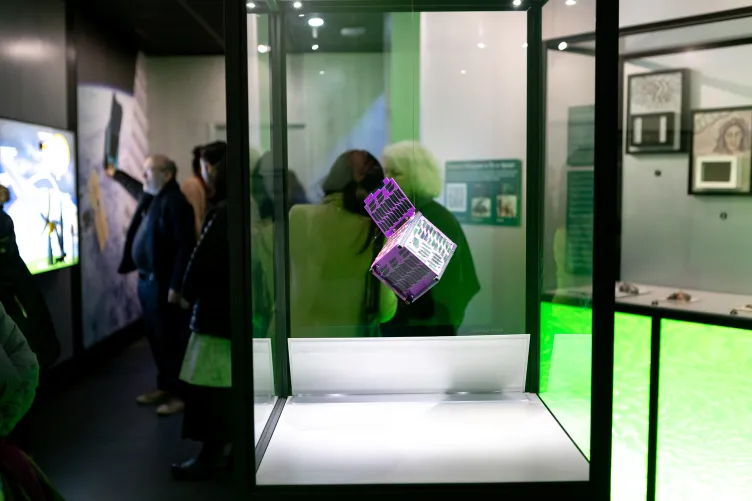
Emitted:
<point x="579" y="243"/>
<point x="485" y="191"/>
<point x="581" y="136"/>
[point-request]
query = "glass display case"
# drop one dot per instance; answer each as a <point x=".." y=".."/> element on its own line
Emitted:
<point x="682" y="327"/>
<point x="468" y="389"/>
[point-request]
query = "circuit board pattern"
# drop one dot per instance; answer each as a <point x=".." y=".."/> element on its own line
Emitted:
<point x="389" y="207"/>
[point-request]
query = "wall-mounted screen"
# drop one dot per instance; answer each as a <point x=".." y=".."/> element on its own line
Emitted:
<point x="37" y="165"/>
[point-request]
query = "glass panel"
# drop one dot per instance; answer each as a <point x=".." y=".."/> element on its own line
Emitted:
<point x="566" y="315"/>
<point x="264" y="187"/>
<point x="393" y="381"/>
<point x="705" y="413"/>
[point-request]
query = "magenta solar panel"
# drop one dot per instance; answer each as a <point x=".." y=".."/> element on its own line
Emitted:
<point x="389" y="207"/>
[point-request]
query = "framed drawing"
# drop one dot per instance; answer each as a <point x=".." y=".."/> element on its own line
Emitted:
<point x="721" y="148"/>
<point x="658" y="112"/>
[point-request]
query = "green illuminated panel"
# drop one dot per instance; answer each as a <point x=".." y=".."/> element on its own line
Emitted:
<point x="566" y="351"/>
<point x="705" y="413"/>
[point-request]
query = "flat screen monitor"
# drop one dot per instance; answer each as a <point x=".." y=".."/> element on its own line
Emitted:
<point x="718" y="172"/>
<point x="38" y="166"/>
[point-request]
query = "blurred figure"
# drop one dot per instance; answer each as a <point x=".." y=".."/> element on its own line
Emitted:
<point x="207" y="364"/>
<point x="194" y="189"/>
<point x="262" y="187"/>
<point x="24" y="303"/>
<point x="439" y="312"/>
<point x="332" y="246"/>
<point x="158" y="245"/>
<point x="20" y="478"/>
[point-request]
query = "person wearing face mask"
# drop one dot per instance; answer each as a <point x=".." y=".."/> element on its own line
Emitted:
<point x="158" y="245"/>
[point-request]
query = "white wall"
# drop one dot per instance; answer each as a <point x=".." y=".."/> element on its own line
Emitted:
<point x="480" y="115"/>
<point x="669" y="237"/>
<point x="186" y="95"/>
<point x="561" y="20"/>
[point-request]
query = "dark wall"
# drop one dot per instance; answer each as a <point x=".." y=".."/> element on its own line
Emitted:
<point x="34" y="88"/>
<point x="103" y="56"/>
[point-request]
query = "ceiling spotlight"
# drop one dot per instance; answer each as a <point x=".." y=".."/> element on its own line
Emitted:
<point x="297" y="5"/>
<point x="571" y="2"/>
<point x="481" y="45"/>
<point x="263" y="49"/>
<point x="315" y="47"/>
<point x="517" y="3"/>
<point x="463" y="71"/>
<point x="250" y="5"/>
<point x="562" y="45"/>
<point x="301" y="15"/>
<point x="524" y="45"/>
<point x="315" y="22"/>
<point x="321" y="72"/>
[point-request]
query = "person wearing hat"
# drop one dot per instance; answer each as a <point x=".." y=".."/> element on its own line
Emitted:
<point x="332" y="246"/>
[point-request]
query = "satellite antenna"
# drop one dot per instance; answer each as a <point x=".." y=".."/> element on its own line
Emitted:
<point x="55" y="227"/>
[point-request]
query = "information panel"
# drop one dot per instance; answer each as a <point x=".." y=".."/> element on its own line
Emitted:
<point x="486" y="192"/>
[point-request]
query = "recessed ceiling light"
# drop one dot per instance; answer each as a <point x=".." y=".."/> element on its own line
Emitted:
<point x="315" y="47"/>
<point x="250" y="5"/>
<point x="263" y="49"/>
<point x="322" y="72"/>
<point x="315" y="22"/>
<point x="301" y="15"/>
<point x="524" y="45"/>
<point x="562" y="45"/>
<point x="298" y="5"/>
<point x="517" y="3"/>
<point x="481" y="45"/>
<point x="571" y="2"/>
<point x="463" y="71"/>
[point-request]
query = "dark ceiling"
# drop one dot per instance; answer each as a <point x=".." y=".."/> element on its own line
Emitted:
<point x="196" y="27"/>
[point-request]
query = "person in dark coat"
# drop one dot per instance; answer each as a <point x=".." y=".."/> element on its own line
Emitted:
<point x="207" y="368"/>
<point x="441" y="311"/>
<point x="158" y="245"/>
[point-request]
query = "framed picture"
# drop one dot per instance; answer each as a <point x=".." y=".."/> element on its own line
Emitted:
<point x="721" y="148"/>
<point x="658" y="112"/>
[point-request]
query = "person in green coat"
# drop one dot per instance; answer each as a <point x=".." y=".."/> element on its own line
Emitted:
<point x="20" y="478"/>
<point x="332" y="246"/>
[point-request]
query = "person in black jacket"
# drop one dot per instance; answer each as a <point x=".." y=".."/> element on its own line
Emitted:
<point x="206" y="368"/>
<point x="158" y="245"/>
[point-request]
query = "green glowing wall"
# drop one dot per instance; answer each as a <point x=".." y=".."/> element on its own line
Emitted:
<point x="705" y="407"/>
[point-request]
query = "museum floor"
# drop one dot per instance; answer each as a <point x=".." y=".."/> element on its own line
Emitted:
<point x="95" y="444"/>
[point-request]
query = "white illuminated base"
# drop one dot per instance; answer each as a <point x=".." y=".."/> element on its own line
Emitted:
<point x="261" y="412"/>
<point x="428" y="440"/>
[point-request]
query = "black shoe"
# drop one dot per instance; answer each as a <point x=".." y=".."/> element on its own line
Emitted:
<point x="199" y="470"/>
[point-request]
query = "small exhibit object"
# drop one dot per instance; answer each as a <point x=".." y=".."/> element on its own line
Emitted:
<point x="626" y="289"/>
<point x="416" y="253"/>
<point x="680" y="297"/>
<point x="658" y="112"/>
<point x="721" y="151"/>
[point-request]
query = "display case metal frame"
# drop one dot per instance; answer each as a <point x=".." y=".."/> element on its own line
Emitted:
<point x="656" y="313"/>
<point x="247" y="454"/>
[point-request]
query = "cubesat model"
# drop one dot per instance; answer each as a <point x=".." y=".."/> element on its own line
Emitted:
<point x="416" y="253"/>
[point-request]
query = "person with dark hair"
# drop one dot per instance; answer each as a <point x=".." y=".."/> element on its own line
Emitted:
<point x="262" y="187"/>
<point x="332" y="246"/>
<point x="194" y="189"/>
<point x="733" y="138"/>
<point x="158" y="245"/>
<point x="206" y="367"/>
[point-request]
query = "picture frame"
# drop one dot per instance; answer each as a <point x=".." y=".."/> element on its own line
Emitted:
<point x="658" y="115"/>
<point x="720" y="160"/>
